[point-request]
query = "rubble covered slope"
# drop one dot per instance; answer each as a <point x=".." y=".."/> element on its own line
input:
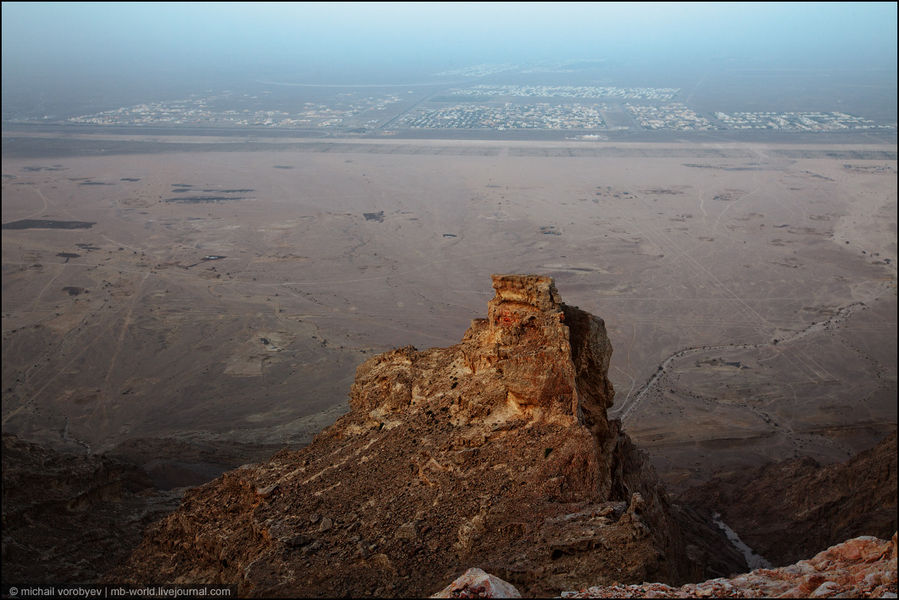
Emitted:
<point x="494" y="452"/>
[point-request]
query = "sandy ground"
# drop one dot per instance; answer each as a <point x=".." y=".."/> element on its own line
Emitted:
<point x="760" y="278"/>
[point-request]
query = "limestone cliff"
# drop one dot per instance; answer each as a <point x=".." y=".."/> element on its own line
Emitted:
<point x="496" y="452"/>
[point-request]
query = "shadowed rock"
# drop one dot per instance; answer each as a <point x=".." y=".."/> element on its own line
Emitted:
<point x="69" y="518"/>
<point x="792" y="509"/>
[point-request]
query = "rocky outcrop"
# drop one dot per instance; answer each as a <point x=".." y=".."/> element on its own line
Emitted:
<point x="789" y="510"/>
<point x="496" y="451"/>
<point x="863" y="567"/>
<point x="475" y="583"/>
<point x="70" y="518"/>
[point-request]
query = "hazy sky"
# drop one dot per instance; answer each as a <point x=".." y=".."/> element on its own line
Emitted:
<point x="103" y="44"/>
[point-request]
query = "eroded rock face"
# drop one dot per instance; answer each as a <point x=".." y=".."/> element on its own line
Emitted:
<point x="516" y="364"/>
<point x="496" y="451"/>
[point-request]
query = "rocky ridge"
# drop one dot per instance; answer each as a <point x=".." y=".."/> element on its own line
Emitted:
<point x="793" y="509"/>
<point x="862" y="567"/>
<point x="496" y="451"/>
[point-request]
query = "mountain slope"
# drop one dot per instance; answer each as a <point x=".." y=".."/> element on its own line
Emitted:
<point x="69" y="518"/>
<point x="792" y="509"/>
<point x="496" y="451"/>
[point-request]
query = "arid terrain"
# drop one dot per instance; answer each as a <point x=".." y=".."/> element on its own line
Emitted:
<point x="220" y="293"/>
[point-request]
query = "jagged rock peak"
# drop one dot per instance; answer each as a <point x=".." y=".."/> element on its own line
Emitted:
<point x="496" y="451"/>
<point x="537" y="291"/>
<point x="532" y="359"/>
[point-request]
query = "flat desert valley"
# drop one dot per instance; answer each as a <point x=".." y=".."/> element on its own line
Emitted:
<point x="195" y="303"/>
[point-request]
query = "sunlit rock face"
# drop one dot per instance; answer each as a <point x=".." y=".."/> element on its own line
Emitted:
<point x="518" y="363"/>
<point x="495" y="451"/>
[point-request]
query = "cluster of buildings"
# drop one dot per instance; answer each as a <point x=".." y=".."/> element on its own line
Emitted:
<point x="795" y="121"/>
<point x="542" y="66"/>
<point x="672" y="117"/>
<point x="204" y="112"/>
<point x="569" y="91"/>
<point x="492" y="107"/>
<point x="477" y="70"/>
<point x="506" y="116"/>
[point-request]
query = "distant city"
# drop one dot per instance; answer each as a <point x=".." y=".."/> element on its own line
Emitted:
<point x="473" y="106"/>
<point x="205" y="111"/>
<point x="540" y="115"/>
<point x="568" y="91"/>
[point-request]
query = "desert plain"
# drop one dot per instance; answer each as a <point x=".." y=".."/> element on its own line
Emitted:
<point x="195" y="303"/>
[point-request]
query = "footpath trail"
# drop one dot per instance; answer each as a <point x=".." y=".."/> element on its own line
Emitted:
<point x="631" y="403"/>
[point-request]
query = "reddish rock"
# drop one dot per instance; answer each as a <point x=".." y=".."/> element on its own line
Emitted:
<point x="475" y="583"/>
<point x="496" y="451"/>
